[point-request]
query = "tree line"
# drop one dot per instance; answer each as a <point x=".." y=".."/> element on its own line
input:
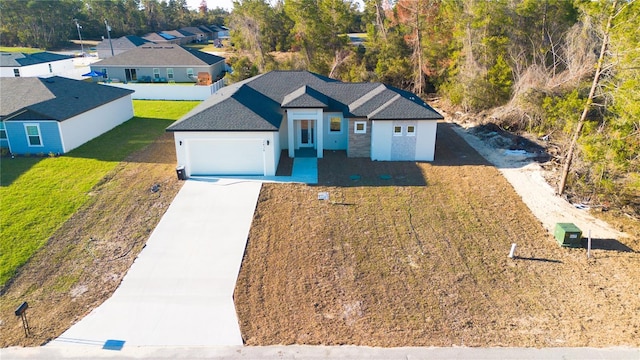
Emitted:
<point x="526" y="65"/>
<point x="48" y="24"/>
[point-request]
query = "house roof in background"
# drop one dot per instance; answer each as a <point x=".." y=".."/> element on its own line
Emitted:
<point x="165" y="55"/>
<point x="258" y="103"/>
<point x="11" y="59"/>
<point x="55" y="98"/>
<point x="124" y="42"/>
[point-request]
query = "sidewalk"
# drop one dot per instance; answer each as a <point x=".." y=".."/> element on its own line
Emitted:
<point x="319" y="352"/>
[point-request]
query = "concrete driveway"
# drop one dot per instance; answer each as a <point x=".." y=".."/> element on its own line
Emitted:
<point x="179" y="291"/>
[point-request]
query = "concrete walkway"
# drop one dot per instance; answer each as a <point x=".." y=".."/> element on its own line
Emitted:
<point x="179" y="291"/>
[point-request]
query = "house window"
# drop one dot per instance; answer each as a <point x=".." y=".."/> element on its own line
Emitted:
<point x="50" y="68"/>
<point x="360" y="127"/>
<point x="190" y="73"/>
<point x="156" y="73"/>
<point x="170" y="73"/>
<point x="104" y="73"/>
<point x="3" y="132"/>
<point x="335" y="124"/>
<point x="16" y="72"/>
<point x="33" y="134"/>
<point x="411" y="130"/>
<point x="397" y="130"/>
<point x="130" y="74"/>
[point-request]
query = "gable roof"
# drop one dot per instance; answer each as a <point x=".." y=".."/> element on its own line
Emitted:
<point x="258" y="103"/>
<point x="10" y="59"/>
<point x="124" y="42"/>
<point x="55" y="98"/>
<point x="161" y="55"/>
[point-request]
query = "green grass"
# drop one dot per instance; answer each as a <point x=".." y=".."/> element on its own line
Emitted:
<point x="20" y="49"/>
<point x="39" y="194"/>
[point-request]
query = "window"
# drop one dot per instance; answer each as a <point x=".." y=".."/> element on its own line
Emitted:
<point x="50" y="69"/>
<point x="170" y="73"/>
<point x="130" y="74"/>
<point x="3" y="132"/>
<point x="397" y="130"/>
<point x="33" y="134"/>
<point x="360" y="127"/>
<point x="411" y="130"/>
<point x="190" y="72"/>
<point x="104" y="73"/>
<point x="16" y="72"/>
<point x="156" y="73"/>
<point x="335" y="124"/>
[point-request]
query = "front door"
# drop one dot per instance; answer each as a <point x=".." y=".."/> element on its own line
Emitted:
<point x="306" y="133"/>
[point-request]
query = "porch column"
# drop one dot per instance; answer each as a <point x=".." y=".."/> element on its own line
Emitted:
<point x="319" y="134"/>
<point x="291" y="135"/>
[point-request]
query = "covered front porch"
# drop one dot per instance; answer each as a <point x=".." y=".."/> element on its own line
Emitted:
<point x="304" y="133"/>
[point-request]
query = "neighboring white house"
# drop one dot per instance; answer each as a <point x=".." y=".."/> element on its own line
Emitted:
<point x="36" y="64"/>
<point x="57" y="114"/>
<point x="243" y="128"/>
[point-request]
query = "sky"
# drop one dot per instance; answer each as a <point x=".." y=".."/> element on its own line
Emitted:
<point x="211" y="4"/>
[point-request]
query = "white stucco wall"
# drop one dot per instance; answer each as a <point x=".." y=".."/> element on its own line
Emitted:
<point x="294" y="115"/>
<point x="170" y="91"/>
<point x="385" y="148"/>
<point x="186" y="142"/>
<point x="93" y="123"/>
<point x="57" y="68"/>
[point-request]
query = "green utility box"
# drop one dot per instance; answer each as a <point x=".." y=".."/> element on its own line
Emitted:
<point x="568" y="235"/>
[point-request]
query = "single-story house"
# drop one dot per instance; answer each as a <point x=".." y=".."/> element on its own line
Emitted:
<point x="37" y="64"/>
<point x="161" y="63"/>
<point x="183" y="36"/>
<point x="161" y="38"/>
<point x="57" y="114"/>
<point x="119" y="45"/>
<point x="201" y="35"/>
<point x="222" y="31"/>
<point x="243" y="128"/>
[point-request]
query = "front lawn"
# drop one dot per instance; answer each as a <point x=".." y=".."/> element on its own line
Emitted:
<point x="40" y="194"/>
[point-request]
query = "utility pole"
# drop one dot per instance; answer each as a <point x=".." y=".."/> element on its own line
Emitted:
<point x="78" y="26"/>
<point x="109" y="35"/>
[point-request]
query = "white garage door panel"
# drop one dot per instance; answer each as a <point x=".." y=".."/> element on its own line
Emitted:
<point x="226" y="157"/>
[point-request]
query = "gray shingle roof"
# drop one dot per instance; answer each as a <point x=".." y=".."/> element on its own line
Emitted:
<point x="305" y="97"/>
<point x="161" y="55"/>
<point x="258" y="103"/>
<point x="8" y="59"/>
<point x="55" y="98"/>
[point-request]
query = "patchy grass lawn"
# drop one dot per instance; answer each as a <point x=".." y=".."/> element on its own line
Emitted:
<point x="25" y="50"/>
<point x="40" y="194"/>
<point x="408" y="254"/>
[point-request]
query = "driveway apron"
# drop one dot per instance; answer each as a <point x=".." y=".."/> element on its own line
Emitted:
<point x="179" y="291"/>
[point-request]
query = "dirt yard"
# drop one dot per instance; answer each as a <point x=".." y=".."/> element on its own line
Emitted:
<point x="85" y="260"/>
<point x="406" y="254"/>
<point x="401" y="254"/>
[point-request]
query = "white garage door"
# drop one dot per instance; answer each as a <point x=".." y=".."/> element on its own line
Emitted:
<point x="226" y="157"/>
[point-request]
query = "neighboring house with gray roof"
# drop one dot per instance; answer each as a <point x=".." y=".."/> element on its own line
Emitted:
<point x="119" y="45"/>
<point x="184" y="36"/>
<point x="201" y="35"/>
<point x="57" y="114"/>
<point x="161" y="38"/>
<point x="243" y="128"/>
<point x="161" y="63"/>
<point x="14" y="64"/>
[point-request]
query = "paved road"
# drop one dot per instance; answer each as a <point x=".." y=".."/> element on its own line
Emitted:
<point x="320" y="352"/>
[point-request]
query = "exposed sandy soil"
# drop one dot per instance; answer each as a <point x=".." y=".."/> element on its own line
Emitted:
<point x="85" y="260"/>
<point x="419" y="258"/>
